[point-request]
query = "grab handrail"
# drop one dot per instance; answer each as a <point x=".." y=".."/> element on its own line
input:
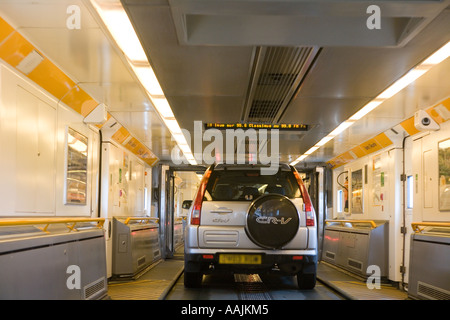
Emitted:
<point x="142" y="219"/>
<point x="371" y="222"/>
<point x="417" y="229"/>
<point x="49" y="221"/>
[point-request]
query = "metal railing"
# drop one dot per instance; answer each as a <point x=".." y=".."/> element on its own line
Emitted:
<point x="416" y="225"/>
<point x="370" y="222"/>
<point x="70" y="222"/>
<point x="141" y="220"/>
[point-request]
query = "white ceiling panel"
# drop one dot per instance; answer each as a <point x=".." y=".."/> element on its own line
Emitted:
<point x="204" y="54"/>
<point x="426" y="92"/>
<point x="92" y="60"/>
<point x="45" y="13"/>
<point x="300" y="23"/>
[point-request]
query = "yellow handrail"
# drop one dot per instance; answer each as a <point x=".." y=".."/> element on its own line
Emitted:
<point x="371" y="222"/>
<point x="142" y="219"/>
<point x="416" y="228"/>
<point x="48" y="221"/>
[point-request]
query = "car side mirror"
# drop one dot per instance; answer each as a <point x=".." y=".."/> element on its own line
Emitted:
<point x="187" y="204"/>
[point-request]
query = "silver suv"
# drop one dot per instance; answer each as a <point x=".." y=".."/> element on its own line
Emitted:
<point x="246" y="222"/>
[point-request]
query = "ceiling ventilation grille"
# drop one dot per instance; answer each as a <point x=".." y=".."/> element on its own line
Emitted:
<point x="276" y="77"/>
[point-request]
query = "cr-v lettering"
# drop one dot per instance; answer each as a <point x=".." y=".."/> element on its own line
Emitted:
<point x="274" y="220"/>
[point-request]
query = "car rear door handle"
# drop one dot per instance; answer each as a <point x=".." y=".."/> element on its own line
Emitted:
<point x="222" y="210"/>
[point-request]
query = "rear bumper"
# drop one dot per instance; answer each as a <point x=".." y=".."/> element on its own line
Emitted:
<point x="235" y="237"/>
<point x="289" y="263"/>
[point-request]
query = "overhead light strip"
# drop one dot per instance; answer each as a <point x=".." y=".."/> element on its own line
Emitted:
<point x="411" y="76"/>
<point x="119" y="25"/>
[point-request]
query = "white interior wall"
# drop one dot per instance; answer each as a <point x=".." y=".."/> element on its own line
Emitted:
<point x="383" y="192"/>
<point x="125" y="181"/>
<point x="33" y="134"/>
<point x="33" y="127"/>
<point x="381" y="186"/>
<point x="123" y="189"/>
<point x="425" y="169"/>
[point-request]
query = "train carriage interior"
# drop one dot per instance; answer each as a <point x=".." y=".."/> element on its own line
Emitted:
<point x="141" y="141"/>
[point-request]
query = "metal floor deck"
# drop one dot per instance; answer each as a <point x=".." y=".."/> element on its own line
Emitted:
<point x="155" y="283"/>
<point x="355" y="288"/>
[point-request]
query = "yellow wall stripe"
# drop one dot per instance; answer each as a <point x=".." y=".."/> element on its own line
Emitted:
<point x="434" y="113"/>
<point x="5" y="30"/>
<point x="409" y="127"/>
<point x="359" y="152"/>
<point x="14" y="48"/>
<point x="123" y="137"/>
<point x="52" y="79"/>
<point x="372" y="145"/>
<point x="382" y="140"/>
<point x="80" y="101"/>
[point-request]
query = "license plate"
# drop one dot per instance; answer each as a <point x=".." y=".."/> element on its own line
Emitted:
<point x="240" y="259"/>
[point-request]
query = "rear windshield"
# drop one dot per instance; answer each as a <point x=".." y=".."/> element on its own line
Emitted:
<point x="247" y="185"/>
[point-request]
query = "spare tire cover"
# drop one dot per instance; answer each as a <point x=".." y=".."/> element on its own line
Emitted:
<point x="272" y="221"/>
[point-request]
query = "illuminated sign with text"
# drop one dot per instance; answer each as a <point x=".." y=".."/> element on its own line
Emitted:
<point x="267" y="126"/>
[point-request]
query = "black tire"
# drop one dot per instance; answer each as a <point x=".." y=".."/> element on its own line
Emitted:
<point x="306" y="281"/>
<point x="272" y="221"/>
<point x="193" y="279"/>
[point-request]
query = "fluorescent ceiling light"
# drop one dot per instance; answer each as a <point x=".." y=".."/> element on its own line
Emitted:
<point x="302" y="157"/>
<point x="439" y="56"/>
<point x="366" y="109"/>
<point x="324" y="140"/>
<point x="189" y="156"/>
<point x="148" y="79"/>
<point x="311" y="150"/>
<point x="163" y="107"/>
<point x="401" y="83"/>
<point x="192" y="162"/>
<point x="342" y="127"/>
<point x="180" y="139"/>
<point x="120" y="27"/>
<point x="173" y="126"/>
<point x="185" y="148"/>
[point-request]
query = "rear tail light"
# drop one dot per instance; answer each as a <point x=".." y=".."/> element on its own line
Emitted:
<point x="309" y="218"/>
<point x="308" y="207"/>
<point x="197" y="205"/>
